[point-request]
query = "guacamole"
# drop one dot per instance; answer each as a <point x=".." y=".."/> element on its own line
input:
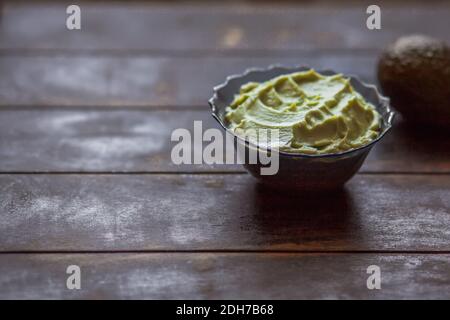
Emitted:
<point x="314" y="113"/>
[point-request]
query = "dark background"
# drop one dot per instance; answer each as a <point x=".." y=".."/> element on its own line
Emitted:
<point x="86" y="176"/>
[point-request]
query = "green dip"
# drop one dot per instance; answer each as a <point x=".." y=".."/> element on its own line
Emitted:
<point x="315" y="114"/>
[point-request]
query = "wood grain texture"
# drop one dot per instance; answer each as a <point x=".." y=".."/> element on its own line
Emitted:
<point x="224" y="276"/>
<point x="140" y="141"/>
<point x="92" y="141"/>
<point x="141" y="80"/>
<point x="85" y="185"/>
<point x="216" y="27"/>
<point x="220" y="212"/>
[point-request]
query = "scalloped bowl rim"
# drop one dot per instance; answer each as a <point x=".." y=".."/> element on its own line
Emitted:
<point x="382" y="100"/>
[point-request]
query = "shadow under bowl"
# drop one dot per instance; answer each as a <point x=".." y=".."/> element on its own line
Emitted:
<point x="301" y="171"/>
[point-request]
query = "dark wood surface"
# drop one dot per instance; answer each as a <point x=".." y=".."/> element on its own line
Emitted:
<point x="198" y="28"/>
<point x="86" y="176"/>
<point x="145" y="81"/>
<point x="132" y="141"/>
<point x="225" y="276"/>
<point x="220" y="212"/>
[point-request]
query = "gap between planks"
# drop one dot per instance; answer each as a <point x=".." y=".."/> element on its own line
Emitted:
<point x="152" y="173"/>
<point x="230" y="251"/>
<point x="186" y="53"/>
<point x="105" y="108"/>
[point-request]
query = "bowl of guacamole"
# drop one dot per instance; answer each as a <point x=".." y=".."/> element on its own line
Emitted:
<point x="326" y="122"/>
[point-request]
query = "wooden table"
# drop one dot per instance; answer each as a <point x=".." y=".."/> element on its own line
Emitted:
<point x="86" y="176"/>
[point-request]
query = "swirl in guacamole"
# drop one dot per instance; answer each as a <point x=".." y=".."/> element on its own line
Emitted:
<point x="314" y="113"/>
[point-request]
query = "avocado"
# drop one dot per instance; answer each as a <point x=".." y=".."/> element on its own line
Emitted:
<point x="414" y="73"/>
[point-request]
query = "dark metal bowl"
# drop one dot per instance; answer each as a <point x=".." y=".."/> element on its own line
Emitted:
<point x="302" y="171"/>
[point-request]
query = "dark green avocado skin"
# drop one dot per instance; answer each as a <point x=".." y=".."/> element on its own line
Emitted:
<point x="414" y="73"/>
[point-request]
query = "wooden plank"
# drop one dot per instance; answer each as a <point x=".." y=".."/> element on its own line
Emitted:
<point x="140" y="80"/>
<point x="225" y="276"/>
<point x="97" y="141"/>
<point x="409" y="148"/>
<point x="216" y="27"/>
<point x="221" y="212"/>
<point x="139" y="141"/>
